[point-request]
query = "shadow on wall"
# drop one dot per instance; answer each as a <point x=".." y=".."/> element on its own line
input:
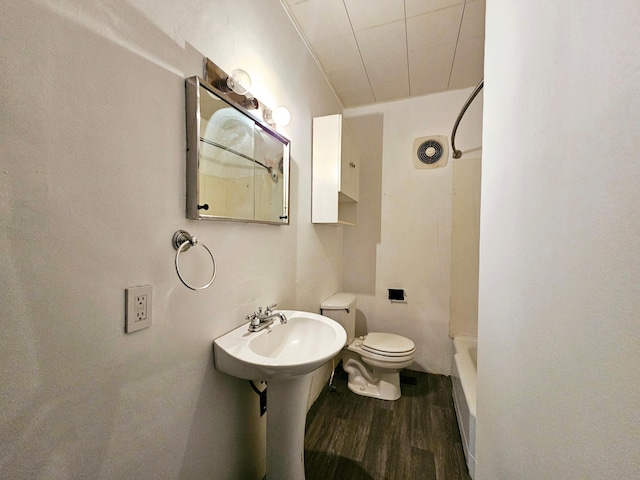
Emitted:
<point x="361" y="323"/>
<point x="361" y="241"/>
<point x="134" y="32"/>
<point x="225" y="404"/>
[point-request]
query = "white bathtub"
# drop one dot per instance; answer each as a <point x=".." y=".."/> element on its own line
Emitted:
<point x="463" y="378"/>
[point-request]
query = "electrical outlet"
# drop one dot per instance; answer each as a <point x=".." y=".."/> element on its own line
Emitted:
<point x="138" y="303"/>
<point x="140" y="306"/>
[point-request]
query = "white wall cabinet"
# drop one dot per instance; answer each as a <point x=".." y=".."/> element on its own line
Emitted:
<point x="336" y="172"/>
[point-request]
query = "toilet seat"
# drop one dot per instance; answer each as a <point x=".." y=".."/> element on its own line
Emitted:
<point x="388" y="345"/>
<point x="384" y="350"/>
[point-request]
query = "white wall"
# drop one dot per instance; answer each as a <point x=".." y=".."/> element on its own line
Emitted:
<point x="92" y="187"/>
<point x="403" y="235"/>
<point x="559" y="309"/>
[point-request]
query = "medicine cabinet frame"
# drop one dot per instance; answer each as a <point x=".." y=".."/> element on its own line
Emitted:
<point x="195" y="88"/>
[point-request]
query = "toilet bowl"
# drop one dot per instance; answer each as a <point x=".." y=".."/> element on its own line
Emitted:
<point x="373" y="362"/>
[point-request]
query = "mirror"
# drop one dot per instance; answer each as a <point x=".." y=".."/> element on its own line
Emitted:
<point x="237" y="166"/>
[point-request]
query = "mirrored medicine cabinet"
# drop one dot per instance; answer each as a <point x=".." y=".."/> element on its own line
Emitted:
<point x="237" y="165"/>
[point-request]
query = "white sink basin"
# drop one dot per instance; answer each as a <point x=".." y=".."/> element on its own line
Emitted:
<point x="281" y="351"/>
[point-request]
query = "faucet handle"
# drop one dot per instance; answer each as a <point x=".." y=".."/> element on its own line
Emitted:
<point x="268" y="309"/>
<point x="254" y="319"/>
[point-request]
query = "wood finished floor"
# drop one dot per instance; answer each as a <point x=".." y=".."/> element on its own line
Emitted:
<point x="350" y="437"/>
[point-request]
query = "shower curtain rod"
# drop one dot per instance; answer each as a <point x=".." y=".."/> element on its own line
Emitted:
<point x="458" y="153"/>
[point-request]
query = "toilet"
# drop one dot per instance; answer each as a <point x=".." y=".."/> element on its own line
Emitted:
<point x="373" y="362"/>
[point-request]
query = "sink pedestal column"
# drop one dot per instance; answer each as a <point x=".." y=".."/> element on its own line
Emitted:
<point x="286" y="417"/>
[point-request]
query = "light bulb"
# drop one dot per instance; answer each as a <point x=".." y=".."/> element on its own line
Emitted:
<point x="281" y="116"/>
<point x="239" y="81"/>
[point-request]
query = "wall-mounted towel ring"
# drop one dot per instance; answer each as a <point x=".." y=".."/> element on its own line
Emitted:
<point x="182" y="241"/>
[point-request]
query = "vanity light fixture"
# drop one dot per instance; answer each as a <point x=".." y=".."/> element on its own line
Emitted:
<point x="236" y="86"/>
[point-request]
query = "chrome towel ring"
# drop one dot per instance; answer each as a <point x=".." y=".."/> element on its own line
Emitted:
<point x="182" y="241"/>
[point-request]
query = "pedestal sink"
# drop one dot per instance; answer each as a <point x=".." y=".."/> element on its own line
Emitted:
<point x="284" y="355"/>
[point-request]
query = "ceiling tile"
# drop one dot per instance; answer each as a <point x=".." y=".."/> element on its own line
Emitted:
<point x="433" y="81"/>
<point x="388" y="69"/>
<point x="435" y="28"/>
<point x="352" y="85"/>
<point x="353" y="98"/>
<point x="338" y="52"/>
<point x="349" y="78"/>
<point x="473" y="20"/>
<point x="365" y="13"/>
<point x="384" y="52"/>
<point x="418" y="7"/>
<point x="468" y="64"/>
<point x="430" y="68"/>
<point x="393" y="90"/>
<point x="439" y="57"/>
<point x="385" y="41"/>
<point x="321" y="19"/>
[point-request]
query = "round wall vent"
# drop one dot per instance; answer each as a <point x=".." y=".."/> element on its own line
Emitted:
<point x="430" y="152"/>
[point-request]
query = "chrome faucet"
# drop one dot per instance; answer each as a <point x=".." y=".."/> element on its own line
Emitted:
<point x="260" y="320"/>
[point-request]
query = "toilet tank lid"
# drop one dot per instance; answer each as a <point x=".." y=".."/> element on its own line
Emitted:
<point x="339" y="301"/>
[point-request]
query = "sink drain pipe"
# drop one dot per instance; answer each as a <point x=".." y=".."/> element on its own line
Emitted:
<point x="263" y="396"/>
<point x="332" y="387"/>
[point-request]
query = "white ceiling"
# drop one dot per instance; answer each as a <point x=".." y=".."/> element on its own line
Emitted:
<point x="379" y="50"/>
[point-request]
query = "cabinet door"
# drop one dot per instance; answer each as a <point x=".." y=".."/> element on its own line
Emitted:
<point x="335" y="183"/>
<point x="326" y="169"/>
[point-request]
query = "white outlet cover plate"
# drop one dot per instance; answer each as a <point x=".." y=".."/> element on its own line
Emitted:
<point x="132" y="322"/>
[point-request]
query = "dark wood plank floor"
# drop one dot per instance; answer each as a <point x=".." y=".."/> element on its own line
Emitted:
<point x="352" y="437"/>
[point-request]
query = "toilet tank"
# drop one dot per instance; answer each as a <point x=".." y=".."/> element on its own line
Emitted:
<point x="341" y="307"/>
